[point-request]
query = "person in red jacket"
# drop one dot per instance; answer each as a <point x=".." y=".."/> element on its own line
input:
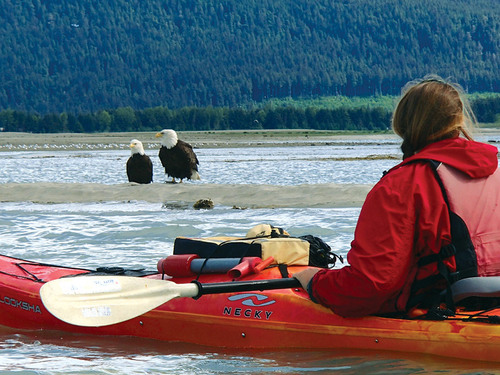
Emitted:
<point x="405" y="216"/>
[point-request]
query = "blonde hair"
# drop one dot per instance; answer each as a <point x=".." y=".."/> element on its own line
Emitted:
<point x="431" y="110"/>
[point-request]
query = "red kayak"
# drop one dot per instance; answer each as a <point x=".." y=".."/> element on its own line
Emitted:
<point x="246" y="317"/>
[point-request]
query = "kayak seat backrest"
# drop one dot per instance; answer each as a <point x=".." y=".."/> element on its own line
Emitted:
<point x="484" y="287"/>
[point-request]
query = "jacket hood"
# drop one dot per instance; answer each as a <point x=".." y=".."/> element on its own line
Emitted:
<point x="475" y="159"/>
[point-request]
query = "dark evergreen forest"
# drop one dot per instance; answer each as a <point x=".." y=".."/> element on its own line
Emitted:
<point x="487" y="109"/>
<point x="94" y="58"/>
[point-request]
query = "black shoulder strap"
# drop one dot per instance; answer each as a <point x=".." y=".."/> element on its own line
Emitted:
<point x="465" y="255"/>
<point x="461" y="247"/>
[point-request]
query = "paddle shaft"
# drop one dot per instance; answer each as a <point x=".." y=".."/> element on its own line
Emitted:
<point x="95" y="301"/>
<point x="246" y="286"/>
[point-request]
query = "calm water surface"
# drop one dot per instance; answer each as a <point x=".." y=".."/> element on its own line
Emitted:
<point x="261" y="165"/>
<point x="137" y="234"/>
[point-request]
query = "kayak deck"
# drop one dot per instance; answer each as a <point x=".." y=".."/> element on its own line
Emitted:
<point x="284" y="318"/>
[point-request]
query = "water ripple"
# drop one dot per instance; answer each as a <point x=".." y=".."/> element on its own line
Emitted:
<point x="138" y="234"/>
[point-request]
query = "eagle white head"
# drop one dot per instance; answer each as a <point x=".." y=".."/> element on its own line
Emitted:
<point x="136" y="147"/>
<point x="168" y="138"/>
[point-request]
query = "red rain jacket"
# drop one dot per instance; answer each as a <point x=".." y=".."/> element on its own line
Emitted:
<point x="403" y="218"/>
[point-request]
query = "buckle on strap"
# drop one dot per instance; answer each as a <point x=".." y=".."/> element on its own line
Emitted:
<point x="445" y="252"/>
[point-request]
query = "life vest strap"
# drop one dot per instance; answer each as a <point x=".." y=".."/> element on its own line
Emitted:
<point x="445" y="252"/>
<point x="461" y="248"/>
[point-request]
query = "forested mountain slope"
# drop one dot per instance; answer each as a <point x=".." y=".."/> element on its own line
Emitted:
<point x="84" y="55"/>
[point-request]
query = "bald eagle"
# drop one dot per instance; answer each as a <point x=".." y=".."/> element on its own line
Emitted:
<point x="139" y="165"/>
<point x="177" y="157"/>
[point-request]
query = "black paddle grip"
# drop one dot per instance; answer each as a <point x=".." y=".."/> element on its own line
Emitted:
<point x="245" y="286"/>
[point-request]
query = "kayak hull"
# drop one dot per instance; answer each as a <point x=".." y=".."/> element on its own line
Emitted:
<point x="277" y="319"/>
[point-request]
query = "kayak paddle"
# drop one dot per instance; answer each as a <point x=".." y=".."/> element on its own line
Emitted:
<point x="95" y="301"/>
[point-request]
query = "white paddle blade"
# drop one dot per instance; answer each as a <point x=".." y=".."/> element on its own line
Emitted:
<point x="94" y="301"/>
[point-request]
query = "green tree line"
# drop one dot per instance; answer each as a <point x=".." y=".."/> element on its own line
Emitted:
<point x="487" y="109"/>
<point x="194" y="118"/>
<point x="84" y="56"/>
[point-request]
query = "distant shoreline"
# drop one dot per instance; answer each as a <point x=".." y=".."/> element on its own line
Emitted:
<point x="13" y="141"/>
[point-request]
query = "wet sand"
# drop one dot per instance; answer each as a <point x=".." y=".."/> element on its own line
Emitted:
<point x="184" y="195"/>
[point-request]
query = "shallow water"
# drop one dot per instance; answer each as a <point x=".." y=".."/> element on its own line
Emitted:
<point x="262" y="165"/>
<point x="137" y="234"/>
<point x="48" y="353"/>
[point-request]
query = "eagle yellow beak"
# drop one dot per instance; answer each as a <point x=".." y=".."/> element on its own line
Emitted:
<point x="131" y="145"/>
<point x="158" y="135"/>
